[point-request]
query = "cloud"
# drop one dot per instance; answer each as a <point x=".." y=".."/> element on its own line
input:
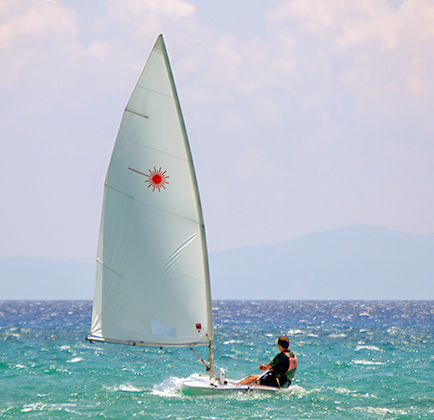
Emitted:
<point x="304" y="124"/>
<point x="317" y="54"/>
<point x="371" y="53"/>
<point x="60" y="58"/>
<point x="339" y="60"/>
<point x="30" y="34"/>
<point x="340" y="94"/>
<point x="66" y="76"/>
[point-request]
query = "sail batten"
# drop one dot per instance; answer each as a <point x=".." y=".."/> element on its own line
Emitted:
<point x="152" y="278"/>
<point x="137" y="113"/>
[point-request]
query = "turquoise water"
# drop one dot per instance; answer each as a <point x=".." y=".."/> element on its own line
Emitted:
<point x="357" y="360"/>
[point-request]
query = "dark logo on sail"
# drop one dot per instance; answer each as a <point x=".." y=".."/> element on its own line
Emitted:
<point x="157" y="179"/>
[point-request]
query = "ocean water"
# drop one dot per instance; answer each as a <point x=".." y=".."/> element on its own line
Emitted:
<point x="357" y="360"/>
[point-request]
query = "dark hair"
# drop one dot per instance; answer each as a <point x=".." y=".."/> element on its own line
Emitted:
<point x="284" y="342"/>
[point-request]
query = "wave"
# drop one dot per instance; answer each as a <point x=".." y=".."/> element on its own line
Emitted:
<point x="367" y="362"/>
<point x="169" y="388"/>
<point x="374" y="348"/>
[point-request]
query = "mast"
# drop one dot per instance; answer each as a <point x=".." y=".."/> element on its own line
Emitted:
<point x="200" y="214"/>
<point x="211" y="359"/>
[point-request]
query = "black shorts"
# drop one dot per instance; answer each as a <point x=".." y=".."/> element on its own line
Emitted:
<point x="272" y="380"/>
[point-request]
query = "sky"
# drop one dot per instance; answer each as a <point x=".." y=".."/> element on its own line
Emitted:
<point x="303" y="115"/>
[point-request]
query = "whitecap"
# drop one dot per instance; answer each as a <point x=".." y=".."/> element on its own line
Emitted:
<point x="393" y="330"/>
<point x="374" y="348"/>
<point x="344" y="391"/>
<point x="129" y="388"/>
<point x="124" y="388"/>
<point x="33" y="407"/>
<point x="298" y="391"/>
<point x="367" y="362"/>
<point x="65" y="406"/>
<point x="381" y="410"/>
<point x="349" y="392"/>
<point x="169" y="388"/>
<point x="75" y="360"/>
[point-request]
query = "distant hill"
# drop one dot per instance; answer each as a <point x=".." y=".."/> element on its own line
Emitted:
<point x="24" y="278"/>
<point x="358" y="262"/>
<point x="349" y="263"/>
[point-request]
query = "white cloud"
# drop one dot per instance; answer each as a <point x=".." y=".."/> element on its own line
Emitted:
<point x="370" y="51"/>
<point x="45" y="53"/>
<point x="344" y="84"/>
<point x="135" y="20"/>
<point x="302" y="117"/>
<point x="26" y="35"/>
<point x="65" y="77"/>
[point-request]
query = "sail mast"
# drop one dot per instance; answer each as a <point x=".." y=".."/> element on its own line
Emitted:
<point x="201" y="221"/>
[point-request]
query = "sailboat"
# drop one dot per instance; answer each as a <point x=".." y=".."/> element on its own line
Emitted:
<point x="152" y="285"/>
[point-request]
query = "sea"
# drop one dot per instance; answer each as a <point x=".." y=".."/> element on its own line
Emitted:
<point x="357" y="360"/>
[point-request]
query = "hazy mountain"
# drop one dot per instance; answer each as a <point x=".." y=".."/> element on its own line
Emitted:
<point x="357" y="262"/>
<point x="24" y="278"/>
<point x="350" y="263"/>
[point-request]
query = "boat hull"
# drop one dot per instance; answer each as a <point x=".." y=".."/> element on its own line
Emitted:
<point x="198" y="384"/>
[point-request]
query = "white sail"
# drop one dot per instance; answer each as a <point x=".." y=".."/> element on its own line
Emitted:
<point x="152" y="282"/>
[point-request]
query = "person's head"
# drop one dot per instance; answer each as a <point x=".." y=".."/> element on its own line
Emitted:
<point x="283" y="342"/>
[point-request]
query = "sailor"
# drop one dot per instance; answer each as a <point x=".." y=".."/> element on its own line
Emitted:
<point x="280" y="371"/>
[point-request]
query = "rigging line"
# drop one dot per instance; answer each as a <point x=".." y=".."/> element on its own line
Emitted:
<point x="203" y="361"/>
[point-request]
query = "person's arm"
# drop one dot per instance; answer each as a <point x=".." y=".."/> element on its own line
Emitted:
<point x="270" y="365"/>
<point x="263" y="367"/>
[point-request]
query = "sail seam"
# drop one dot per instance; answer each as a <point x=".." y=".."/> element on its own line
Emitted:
<point x="152" y="148"/>
<point x="187" y="277"/>
<point x="108" y="268"/>
<point x="119" y="191"/>
<point x="167" y="212"/>
<point x="154" y="207"/>
<point x="155" y="91"/>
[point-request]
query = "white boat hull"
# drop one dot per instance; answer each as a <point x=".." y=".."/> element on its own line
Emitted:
<point x="198" y="384"/>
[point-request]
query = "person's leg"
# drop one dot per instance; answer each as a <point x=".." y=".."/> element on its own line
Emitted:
<point x="270" y="380"/>
<point x="249" y="380"/>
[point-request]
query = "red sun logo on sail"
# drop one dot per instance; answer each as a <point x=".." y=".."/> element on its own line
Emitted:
<point x="157" y="179"/>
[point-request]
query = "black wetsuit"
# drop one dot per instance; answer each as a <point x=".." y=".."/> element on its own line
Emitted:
<point x="277" y="376"/>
